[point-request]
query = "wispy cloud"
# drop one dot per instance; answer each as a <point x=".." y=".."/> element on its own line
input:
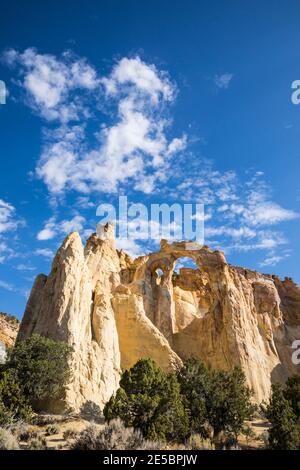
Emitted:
<point x="53" y="228"/>
<point x="273" y="260"/>
<point x="8" y="220"/>
<point x="12" y="288"/>
<point x="45" y="252"/>
<point x="131" y="146"/>
<point x="222" y="81"/>
<point x="51" y="83"/>
<point x="25" y="267"/>
<point x="132" y="149"/>
<point x="242" y="215"/>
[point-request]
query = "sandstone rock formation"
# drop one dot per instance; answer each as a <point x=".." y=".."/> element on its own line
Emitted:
<point x="9" y="327"/>
<point x="115" y="310"/>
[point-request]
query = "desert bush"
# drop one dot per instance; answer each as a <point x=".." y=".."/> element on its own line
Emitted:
<point x="70" y="434"/>
<point x="52" y="429"/>
<point x="28" y="435"/>
<point x="111" y="436"/>
<point x="7" y="440"/>
<point x="248" y="433"/>
<point x="46" y="419"/>
<point x="197" y="442"/>
<point x="41" y="366"/>
<point x="149" y="400"/>
<point x="91" y="412"/>
<point x="38" y="443"/>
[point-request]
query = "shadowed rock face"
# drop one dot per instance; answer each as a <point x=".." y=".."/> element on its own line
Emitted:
<point x="114" y="311"/>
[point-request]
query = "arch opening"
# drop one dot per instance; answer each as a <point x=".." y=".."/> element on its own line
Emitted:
<point x="158" y="275"/>
<point x="184" y="268"/>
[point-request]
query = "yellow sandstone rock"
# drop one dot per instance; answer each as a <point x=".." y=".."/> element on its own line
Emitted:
<point x="115" y="310"/>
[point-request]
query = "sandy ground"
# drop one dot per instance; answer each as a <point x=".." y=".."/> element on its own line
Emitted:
<point x="56" y="441"/>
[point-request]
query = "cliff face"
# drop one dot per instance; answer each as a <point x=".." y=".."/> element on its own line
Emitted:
<point x="9" y="327"/>
<point x="114" y="310"/>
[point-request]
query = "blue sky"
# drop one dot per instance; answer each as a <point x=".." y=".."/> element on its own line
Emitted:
<point x="164" y="102"/>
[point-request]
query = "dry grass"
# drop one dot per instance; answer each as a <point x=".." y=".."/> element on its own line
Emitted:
<point x="68" y="429"/>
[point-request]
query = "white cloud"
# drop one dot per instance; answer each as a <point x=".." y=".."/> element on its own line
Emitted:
<point x="134" y="147"/>
<point x="49" y="81"/>
<point x="7" y="217"/>
<point x="242" y="210"/>
<point x="74" y="225"/>
<point x="53" y="228"/>
<point x="242" y="232"/>
<point x="131" y="247"/>
<point x="268" y="213"/>
<point x="84" y="202"/>
<point x="273" y="260"/>
<point x="6" y="252"/>
<point x="177" y="145"/>
<point x="265" y="240"/>
<point x="3" y="248"/>
<point x="145" y="79"/>
<point x="6" y="285"/>
<point x="25" y="267"/>
<point x="48" y="232"/>
<point x="12" y="288"/>
<point x="46" y="252"/>
<point x="223" y="81"/>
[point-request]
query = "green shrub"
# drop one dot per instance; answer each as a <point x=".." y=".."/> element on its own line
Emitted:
<point x="215" y="399"/>
<point x="149" y="399"/>
<point x="291" y="393"/>
<point x="228" y="402"/>
<point x="283" y="414"/>
<point x="41" y="366"/>
<point x="112" y="436"/>
<point x="13" y="404"/>
<point x="194" y="379"/>
<point x="7" y="440"/>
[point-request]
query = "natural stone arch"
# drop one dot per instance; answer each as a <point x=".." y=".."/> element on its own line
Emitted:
<point x="158" y="297"/>
<point x="159" y="276"/>
<point x="164" y="265"/>
<point x="159" y="306"/>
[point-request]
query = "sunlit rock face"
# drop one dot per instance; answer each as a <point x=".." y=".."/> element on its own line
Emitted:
<point x="8" y="332"/>
<point x="114" y="310"/>
<point x="2" y="352"/>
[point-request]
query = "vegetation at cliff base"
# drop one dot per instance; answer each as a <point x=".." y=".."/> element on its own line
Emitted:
<point x="283" y="412"/>
<point x="149" y="399"/>
<point x="174" y="406"/>
<point x="41" y="366"/>
<point x="112" y="436"/>
<point x="219" y="400"/>
<point x="13" y="403"/>
<point x="36" y="369"/>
